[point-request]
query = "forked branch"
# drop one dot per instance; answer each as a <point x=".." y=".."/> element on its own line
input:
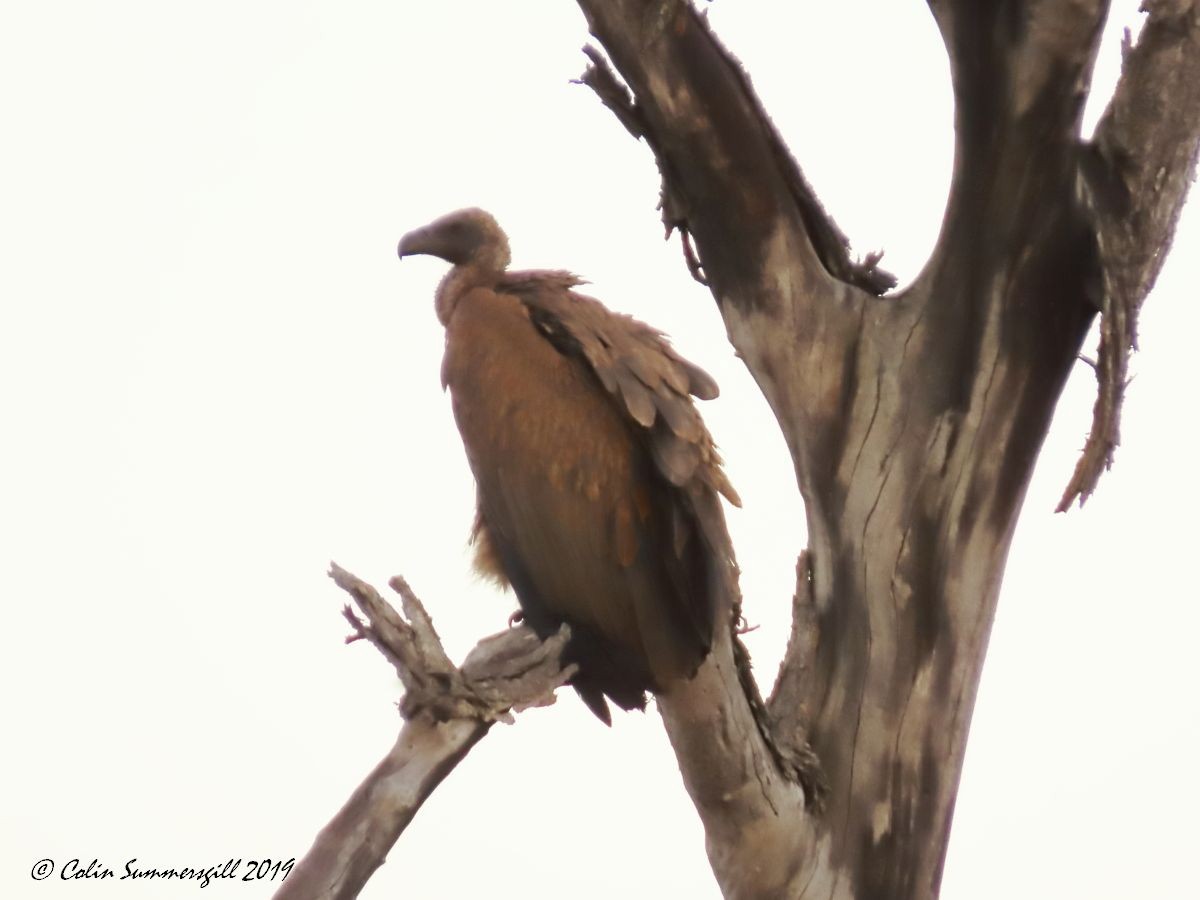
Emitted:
<point x="447" y="711"/>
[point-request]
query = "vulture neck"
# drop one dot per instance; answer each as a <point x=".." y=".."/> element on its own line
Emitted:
<point x="459" y="280"/>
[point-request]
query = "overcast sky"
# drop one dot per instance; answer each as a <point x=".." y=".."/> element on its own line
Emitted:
<point x="217" y="378"/>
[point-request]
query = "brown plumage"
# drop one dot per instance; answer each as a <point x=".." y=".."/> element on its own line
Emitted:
<point x="596" y="479"/>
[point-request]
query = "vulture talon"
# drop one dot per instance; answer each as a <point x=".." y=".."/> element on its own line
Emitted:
<point x="597" y="482"/>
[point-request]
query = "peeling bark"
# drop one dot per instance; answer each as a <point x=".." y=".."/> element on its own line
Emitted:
<point x="1134" y="182"/>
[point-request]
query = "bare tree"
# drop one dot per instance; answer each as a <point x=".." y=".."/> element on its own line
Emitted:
<point x="914" y="420"/>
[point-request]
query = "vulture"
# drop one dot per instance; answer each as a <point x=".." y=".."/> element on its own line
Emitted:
<point x="596" y="479"/>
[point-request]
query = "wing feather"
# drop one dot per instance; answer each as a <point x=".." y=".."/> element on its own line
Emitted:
<point x="641" y="565"/>
<point x="638" y="367"/>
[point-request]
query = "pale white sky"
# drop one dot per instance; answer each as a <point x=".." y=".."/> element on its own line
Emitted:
<point x="217" y="377"/>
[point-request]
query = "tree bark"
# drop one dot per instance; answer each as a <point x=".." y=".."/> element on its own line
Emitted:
<point x="356" y="841"/>
<point x="914" y="419"/>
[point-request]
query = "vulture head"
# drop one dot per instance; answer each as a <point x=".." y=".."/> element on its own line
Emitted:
<point x="465" y="237"/>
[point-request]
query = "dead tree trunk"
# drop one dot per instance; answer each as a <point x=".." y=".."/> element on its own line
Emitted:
<point x="914" y="419"/>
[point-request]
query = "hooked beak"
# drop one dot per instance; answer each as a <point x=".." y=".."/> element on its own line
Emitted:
<point x="413" y="243"/>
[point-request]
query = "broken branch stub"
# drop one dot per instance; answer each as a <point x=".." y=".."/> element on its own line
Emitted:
<point x="512" y="670"/>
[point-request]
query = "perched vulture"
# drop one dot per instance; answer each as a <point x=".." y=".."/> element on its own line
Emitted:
<point x="596" y="479"/>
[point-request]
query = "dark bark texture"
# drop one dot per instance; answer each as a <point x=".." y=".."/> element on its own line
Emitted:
<point x="914" y="419"/>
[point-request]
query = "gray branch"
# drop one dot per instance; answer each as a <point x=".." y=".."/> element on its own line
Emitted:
<point x="447" y="711"/>
<point x="1135" y="179"/>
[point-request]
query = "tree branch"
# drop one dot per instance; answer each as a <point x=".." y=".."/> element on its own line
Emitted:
<point x="761" y="841"/>
<point x="447" y="710"/>
<point x="718" y="151"/>
<point x="785" y="707"/>
<point x="357" y="840"/>
<point x="1135" y="179"/>
<point x="793" y="300"/>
